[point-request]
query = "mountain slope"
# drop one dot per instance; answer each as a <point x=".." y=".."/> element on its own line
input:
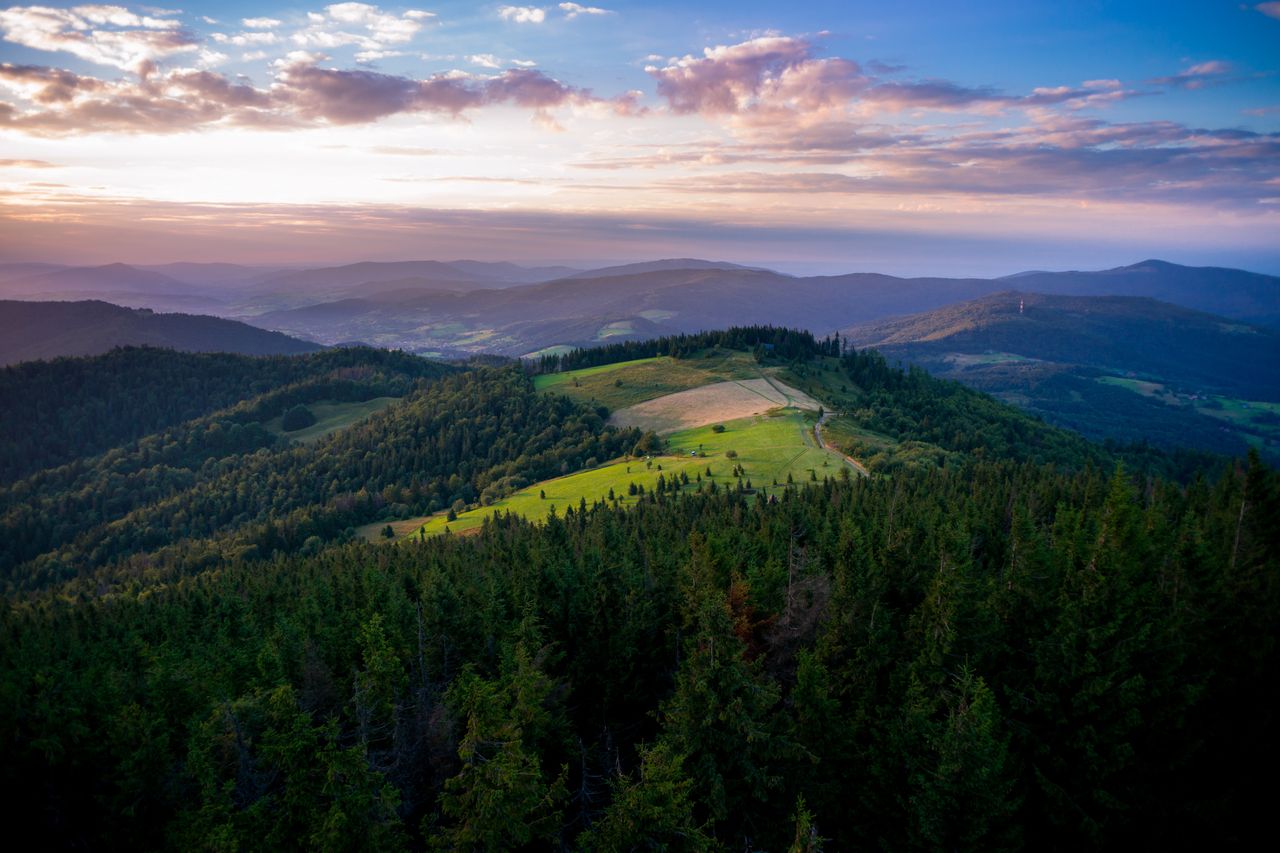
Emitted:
<point x="663" y="298"/>
<point x="1118" y="333"/>
<point x="664" y="265"/>
<point x="41" y="330"/>
<point x="1232" y="293"/>
<point x="86" y="281"/>
<point x="1127" y="368"/>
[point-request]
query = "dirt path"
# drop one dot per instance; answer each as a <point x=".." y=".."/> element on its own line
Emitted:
<point x="822" y="442"/>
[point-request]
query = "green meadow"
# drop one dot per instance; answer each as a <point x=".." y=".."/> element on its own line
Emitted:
<point x="769" y="448"/>
<point x="626" y="383"/>
<point x="331" y="417"/>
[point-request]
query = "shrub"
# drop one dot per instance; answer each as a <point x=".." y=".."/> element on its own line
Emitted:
<point x="299" y="417"/>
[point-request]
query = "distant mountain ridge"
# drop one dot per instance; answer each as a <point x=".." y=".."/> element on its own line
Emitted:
<point x="1121" y="367"/>
<point x="44" y="330"/>
<point x="684" y="295"/>
<point x="469" y="306"/>
<point x="1123" y="333"/>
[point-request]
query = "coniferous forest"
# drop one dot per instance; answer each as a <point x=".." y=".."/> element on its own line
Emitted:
<point x="1037" y="642"/>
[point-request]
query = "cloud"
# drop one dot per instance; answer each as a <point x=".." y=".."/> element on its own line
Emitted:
<point x="726" y="79"/>
<point x="259" y="23"/>
<point x="573" y="10"/>
<point x="484" y="60"/>
<point x="361" y="24"/>
<point x="27" y="164"/>
<point x="1271" y="10"/>
<point x="1198" y="76"/>
<point x="768" y="79"/>
<point x="773" y="73"/>
<point x="246" y="39"/>
<point x="68" y="103"/>
<point x="105" y="35"/>
<point x="523" y="14"/>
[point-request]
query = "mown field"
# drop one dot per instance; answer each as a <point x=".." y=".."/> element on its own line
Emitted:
<point x="617" y="386"/>
<point x="769" y="449"/>
<point x="331" y="417"/>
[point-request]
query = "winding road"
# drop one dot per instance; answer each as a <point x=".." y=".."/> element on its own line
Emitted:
<point x="822" y="442"/>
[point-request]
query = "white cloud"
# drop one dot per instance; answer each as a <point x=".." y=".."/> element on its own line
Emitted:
<point x="488" y="60"/>
<point x="246" y="39"/>
<point x="523" y="14"/>
<point x="106" y="35"/>
<point x="365" y="56"/>
<point x="260" y="23"/>
<point x="210" y="58"/>
<point x="573" y="10"/>
<point x="361" y="24"/>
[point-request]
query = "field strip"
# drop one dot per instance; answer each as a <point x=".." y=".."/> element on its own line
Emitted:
<point x="710" y="404"/>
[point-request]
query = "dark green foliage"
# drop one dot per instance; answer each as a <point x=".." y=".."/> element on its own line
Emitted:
<point x="465" y="434"/>
<point x="1001" y="657"/>
<point x="53" y="412"/>
<point x="298" y="417"/>
<point x="771" y="341"/>
<point x="1028" y="652"/>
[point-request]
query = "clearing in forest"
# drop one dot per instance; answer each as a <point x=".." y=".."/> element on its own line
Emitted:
<point x="330" y="417"/>
<point x="762" y="452"/>
<point x="709" y="404"/>
<point x="626" y="383"/>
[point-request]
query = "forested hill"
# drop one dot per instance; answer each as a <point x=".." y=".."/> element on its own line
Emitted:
<point x="202" y="491"/>
<point x="43" y="330"/>
<point x="998" y="639"/>
<point x="1132" y="335"/>
<point x="56" y="411"/>
<point x="1004" y="657"/>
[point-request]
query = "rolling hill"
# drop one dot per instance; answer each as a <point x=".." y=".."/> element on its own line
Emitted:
<point x="634" y="626"/>
<point x="644" y="300"/>
<point x="1126" y="368"/>
<point x="43" y="330"/>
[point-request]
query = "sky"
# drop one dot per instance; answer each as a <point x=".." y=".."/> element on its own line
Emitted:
<point x="913" y="138"/>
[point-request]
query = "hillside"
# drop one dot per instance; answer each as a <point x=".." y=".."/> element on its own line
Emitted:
<point x="1126" y="368"/>
<point x="44" y="330"/>
<point x="998" y="638"/>
<point x="57" y="412"/>
<point x="666" y="297"/>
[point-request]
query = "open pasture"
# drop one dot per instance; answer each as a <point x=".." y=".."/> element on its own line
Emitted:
<point x="711" y="404"/>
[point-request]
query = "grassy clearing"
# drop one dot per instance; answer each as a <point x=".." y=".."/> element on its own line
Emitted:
<point x="1137" y="386"/>
<point x="962" y="359"/>
<point x="575" y="378"/>
<point x="613" y="330"/>
<point x="648" y="378"/>
<point x="710" y="404"/>
<point x="769" y="448"/>
<point x="331" y="417"/>
<point x="558" y="349"/>
<point x="823" y="379"/>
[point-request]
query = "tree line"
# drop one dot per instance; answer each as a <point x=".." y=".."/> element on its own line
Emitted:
<point x="775" y="341"/>
<point x="1005" y="656"/>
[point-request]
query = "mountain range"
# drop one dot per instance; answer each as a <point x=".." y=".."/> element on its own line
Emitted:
<point x="44" y="330"/>
<point x="461" y="307"/>
<point x="1119" y="367"/>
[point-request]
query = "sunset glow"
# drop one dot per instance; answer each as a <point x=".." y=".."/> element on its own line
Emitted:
<point x="836" y="136"/>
